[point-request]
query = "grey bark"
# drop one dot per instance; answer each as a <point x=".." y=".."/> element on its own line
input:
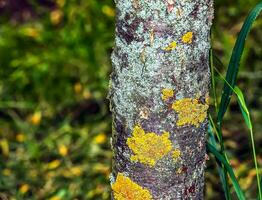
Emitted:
<point x="144" y="64"/>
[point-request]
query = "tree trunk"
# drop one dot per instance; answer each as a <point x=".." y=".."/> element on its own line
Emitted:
<point x="159" y="99"/>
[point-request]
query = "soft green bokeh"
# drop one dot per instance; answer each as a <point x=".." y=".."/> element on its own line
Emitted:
<point x="55" y="123"/>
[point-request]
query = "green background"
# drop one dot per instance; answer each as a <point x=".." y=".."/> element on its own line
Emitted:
<point x="55" y="124"/>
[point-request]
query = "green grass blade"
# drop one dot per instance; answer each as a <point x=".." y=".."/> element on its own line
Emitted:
<point x="243" y="107"/>
<point x="229" y="169"/>
<point x="222" y="175"/>
<point x="246" y="115"/>
<point x="222" y="171"/>
<point x="235" y="60"/>
<point x="213" y="83"/>
<point x="260" y="184"/>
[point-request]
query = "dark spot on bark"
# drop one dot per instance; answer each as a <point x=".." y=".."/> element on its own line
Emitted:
<point x="203" y="59"/>
<point x="192" y="189"/>
<point x="124" y="60"/>
<point x="114" y="78"/>
<point x="202" y="100"/>
<point x="119" y="126"/>
<point x="127" y="30"/>
<point x="184" y="169"/>
<point x="194" y="13"/>
<point x="121" y="56"/>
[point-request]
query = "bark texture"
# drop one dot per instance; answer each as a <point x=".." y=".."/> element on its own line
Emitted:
<point x="159" y="98"/>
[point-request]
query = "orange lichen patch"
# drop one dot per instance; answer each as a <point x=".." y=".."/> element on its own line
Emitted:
<point x="176" y="154"/>
<point x="190" y="111"/>
<point x="171" y="46"/>
<point x="167" y="93"/>
<point x="187" y="38"/>
<point x="148" y="148"/>
<point x="125" y="189"/>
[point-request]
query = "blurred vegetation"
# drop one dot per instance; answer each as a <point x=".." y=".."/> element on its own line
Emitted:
<point x="55" y="124"/>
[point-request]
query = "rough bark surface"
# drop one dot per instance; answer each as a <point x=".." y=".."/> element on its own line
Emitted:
<point x="159" y="95"/>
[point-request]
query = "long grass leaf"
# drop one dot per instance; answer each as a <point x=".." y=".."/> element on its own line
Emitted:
<point x="235" y="60"/>
<point x="222" y="175"/>
<point x="229" y="169"/>
<point x="246" y="116"/>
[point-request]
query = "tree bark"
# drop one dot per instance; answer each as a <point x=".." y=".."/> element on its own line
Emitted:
<point x="159" y="98"/>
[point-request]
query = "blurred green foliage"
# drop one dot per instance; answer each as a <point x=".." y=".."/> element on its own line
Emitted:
<point x="55" y="123"/>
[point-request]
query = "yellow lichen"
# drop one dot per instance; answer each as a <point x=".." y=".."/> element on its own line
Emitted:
<point x="176" y="154"/>
<point x="167" y="93"/>
<point x="207" y="99"/>
<point x="190" y="111"/>
<point x="125" y="189"/>
<point x="171" y="46"/>
<point x="179" y="170"/>
<point x="187" y="38"/>
<point x="148" y="148"/>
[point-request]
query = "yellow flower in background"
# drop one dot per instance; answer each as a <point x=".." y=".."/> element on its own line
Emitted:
<point x="87" y="94"/>
<point x="167" y="93"/>
<point x="33" y="173"/>
<point x="125" y="189"/>
<point x="7" y="172"/>
<point x="73" y="171"/>
<point x="50" y="175"/>
<point x="108" y="11"/>
<point x="187" y="38"/>
<point x="148" y="148"/>
<point x="78" y="88"/>
<point x="4" y="145"/>
<point x="24" y="188"/>
<point x="76" y="171"/>
<point x="36" y="118"/>
<point x="100" y="138"/>
<point x="101" y="169"/>
<point x="56" y="16"/>
<point x="100" y="189"/>
<point x="20" y="137"/>
<point x="54" y="164"/>
<point x="63" y="150"/>
<point x="55" y="198"/>
<point x="31" y="32"/>
<point x="60" y="3"/>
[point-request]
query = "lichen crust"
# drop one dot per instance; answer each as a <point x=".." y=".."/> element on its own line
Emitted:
<point x="187" y="37"/>
<point x="125" y="189"/>
<point x="148" y="148"/>
<point x="167" y="93"/>
<point x="190" y="111"/>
